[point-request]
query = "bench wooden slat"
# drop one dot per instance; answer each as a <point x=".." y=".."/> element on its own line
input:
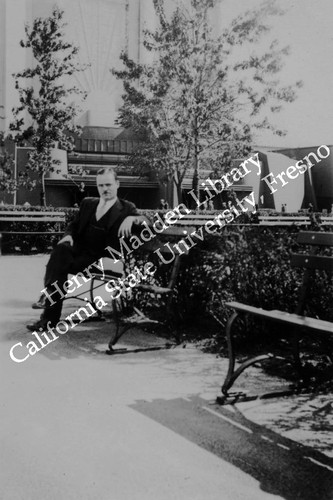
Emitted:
<point x="174" y="231"/>
<point x="303" y="322"/>
<point x="32" y="219"/>
<point x="201" y="222"/>
<point x="321" y="262"/>
<point x="31" y="232"/>
<point x="315" y="238"/>
<point x="264" y="220"/>
<point x="292" y="218"/>
<point x="199" y="216"/>
<point x="191" y="222"/>
<point x="154" y="289"/>
<point x="28" y="213"/>
<point x="284" y="223"/>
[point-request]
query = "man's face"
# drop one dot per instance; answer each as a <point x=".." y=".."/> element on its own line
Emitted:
<point x="107" y="186"/>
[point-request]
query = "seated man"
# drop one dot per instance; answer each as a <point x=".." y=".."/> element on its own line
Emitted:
<point x="99" y="223"/>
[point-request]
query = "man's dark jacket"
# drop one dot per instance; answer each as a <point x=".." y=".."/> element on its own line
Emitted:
<point x="120" y="210"/>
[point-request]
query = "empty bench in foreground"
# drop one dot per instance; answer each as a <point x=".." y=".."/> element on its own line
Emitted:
<point x="11" y="216"/>
<point x="298" y="324"/>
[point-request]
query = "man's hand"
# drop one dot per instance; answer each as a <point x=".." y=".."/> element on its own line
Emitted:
<point x="125" y="228"/>
<point x="67" y="239"/>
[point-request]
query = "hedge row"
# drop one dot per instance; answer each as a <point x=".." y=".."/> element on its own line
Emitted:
<point x="27" y="244"/>
<point x="250" y="264"/>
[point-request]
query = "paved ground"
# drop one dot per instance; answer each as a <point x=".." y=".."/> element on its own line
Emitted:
<point x="77" y="424"/>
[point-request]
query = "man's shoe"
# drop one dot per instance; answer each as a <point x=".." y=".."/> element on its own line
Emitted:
<point x="40" y="325"/>
<point x="41" y="302"/>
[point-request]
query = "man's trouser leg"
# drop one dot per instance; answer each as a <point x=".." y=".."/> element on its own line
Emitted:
<point x="63" y="260"/>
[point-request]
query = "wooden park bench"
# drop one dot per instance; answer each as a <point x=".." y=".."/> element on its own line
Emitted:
<point x="27" y="217"/>
<point x="290" y="220"/>
<point x="199" y="219"/>
<point x="300" y="324"/>
<point x="161" y="290"/>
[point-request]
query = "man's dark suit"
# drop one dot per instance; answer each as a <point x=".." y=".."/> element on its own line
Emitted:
<point x="120" y="210"/>
<point x="66" y="259"/>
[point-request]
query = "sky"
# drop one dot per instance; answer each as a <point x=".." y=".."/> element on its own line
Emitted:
<point x="307" y="27"/>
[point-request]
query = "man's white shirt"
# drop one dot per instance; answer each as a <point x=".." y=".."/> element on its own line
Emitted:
<point x="103" y="206"/>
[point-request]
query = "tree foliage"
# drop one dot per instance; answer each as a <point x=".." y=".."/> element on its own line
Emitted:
<point x="200" y="101"/>
<point x="7" y="178"/>
<point x="45" y="117"/>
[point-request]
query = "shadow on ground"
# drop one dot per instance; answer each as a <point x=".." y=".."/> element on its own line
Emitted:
<point x="89" y="338"/>
<point x="282" y="466"/>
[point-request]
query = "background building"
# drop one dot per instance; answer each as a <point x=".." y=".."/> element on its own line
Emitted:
<point x="102" y="29"/>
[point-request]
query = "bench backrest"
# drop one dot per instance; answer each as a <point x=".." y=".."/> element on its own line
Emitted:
<point x="263" y="220"/>
<point x="312" y="260"/>
<point x="33" y="216"/>
<point x="162" y="247"/>
<point x="289" y="220"/>
<point x="178" y="234"/>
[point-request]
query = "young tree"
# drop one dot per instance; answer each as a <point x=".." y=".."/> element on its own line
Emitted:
<point x="8" y="182"/>
<point x="50" y="121"/>
<point x="199" y="103"/>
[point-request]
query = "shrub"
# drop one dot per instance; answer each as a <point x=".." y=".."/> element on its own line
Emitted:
<point x="250" y="265"/>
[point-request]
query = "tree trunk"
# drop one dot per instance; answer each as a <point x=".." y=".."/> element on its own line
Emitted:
<point x="42" y="194"/>
<point x="195" y="180"/>
<point x="179" y="193"/>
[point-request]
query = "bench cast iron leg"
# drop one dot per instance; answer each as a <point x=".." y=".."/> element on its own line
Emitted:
<point x="117" y="307"/>
<point x="119" y="333"/>
<point x="91" y="292"/>
<point x="233" y="374"/>
<point x="297" y="354"/>
<point x="229" y="380"/>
